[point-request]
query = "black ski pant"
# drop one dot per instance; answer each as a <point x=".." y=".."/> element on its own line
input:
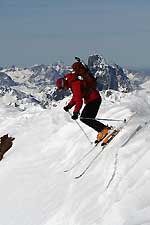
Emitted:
<point x="90" y="111"/>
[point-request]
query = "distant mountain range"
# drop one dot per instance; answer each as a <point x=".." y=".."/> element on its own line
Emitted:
<point x="35" y="86"/>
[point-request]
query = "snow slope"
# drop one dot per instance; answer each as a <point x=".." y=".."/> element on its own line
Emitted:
<point x="36" y="191"/>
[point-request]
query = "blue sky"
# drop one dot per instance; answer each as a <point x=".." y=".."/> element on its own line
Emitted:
<point x="44" y="31"/>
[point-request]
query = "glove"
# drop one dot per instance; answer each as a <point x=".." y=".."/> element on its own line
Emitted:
<point x="75" y="116"/>
<point x="66" y="108"/>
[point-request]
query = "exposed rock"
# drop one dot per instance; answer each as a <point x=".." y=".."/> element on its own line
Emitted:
<point x="6" y="143"/>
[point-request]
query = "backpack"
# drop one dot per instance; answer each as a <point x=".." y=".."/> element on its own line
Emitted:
<point x="82" y="70"/>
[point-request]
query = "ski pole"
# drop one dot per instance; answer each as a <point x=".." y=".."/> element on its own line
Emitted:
<point x="123" y="120"/>
<point x="82" y="130"/>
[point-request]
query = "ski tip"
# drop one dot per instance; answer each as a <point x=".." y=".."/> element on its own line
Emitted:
<point x="77" y="177"/>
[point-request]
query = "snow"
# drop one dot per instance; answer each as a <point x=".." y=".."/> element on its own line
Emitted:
<point x="36" y="191"/>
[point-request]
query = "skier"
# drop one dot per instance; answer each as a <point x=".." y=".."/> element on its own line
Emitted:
<point x="91" y="98"/>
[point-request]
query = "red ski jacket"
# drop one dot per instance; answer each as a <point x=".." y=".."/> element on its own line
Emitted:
<point x="78" y="88"/>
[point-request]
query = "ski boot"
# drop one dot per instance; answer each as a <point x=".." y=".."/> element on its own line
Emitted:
<point x="102" y="134"/>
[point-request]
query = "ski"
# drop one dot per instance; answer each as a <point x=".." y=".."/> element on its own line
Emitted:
<point x="110" y="137"/>
<point x="134" y="132"/>
<point x="90" y="164"/>
<point x="139" y="127"/>
<point x="86" y="154"/>
<point x="104" y="143"/>
<point x="81" y="159"/>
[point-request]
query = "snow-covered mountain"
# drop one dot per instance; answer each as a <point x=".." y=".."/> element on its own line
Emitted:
<point x="109" y="76"/>
<point x="36" y="191"/>
<point x="29" y="87"/>
<point x="6" y="80"/>
<point x="35" y="86"/>
<point x="137" y="77"/>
